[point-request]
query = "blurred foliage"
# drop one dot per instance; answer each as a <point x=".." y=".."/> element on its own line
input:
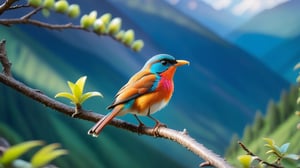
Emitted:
<point x="279" y="120"/>
<point x="278" y="156"/>
<point x="11" y="155"/>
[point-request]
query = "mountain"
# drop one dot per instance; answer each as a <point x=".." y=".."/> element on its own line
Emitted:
<point x="214" y="97"/>
<point x="220" y="22"/>
<point x="272" y="37"/>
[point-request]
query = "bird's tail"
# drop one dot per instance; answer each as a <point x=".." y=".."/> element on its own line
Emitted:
<point x="97" y="128"/>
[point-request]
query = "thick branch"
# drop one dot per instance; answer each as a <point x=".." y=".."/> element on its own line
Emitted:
<point x="180" y="137"/>
<point x="6" y="5"/>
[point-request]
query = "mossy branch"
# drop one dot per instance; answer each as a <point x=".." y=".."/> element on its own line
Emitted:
<point x="181" y="137"/>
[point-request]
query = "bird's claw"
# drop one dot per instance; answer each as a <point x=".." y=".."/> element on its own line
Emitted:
<point x="140" y="128"/>
<point x="156" y="127"/>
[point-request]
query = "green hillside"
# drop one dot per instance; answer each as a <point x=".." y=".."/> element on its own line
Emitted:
<point x="279" y="124"/>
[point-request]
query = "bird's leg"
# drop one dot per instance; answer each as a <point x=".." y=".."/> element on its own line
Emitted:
<point x="157" y="124"/>
<point x="141" y="124"/>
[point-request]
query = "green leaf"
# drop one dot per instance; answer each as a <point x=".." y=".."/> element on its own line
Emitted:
<point x="66" y="95"/>
<point x="245" y="160"/>
<point x="298" y="100"/>
<point x="88" y="95"/>
<point x="269" y="141"/>
<point x="283" y="149"/>
<point x="80" y="83"/>
<point x="270" y="152"/>
<point x="16" y="151"/>
<point x="292" y="156"/>
<point x="46" y="155"/>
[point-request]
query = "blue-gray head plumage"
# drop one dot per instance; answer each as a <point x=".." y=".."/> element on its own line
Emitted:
<point x="160" y="63"/>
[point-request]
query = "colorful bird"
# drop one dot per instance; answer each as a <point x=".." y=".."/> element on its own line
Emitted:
<point x="146" y="92"/>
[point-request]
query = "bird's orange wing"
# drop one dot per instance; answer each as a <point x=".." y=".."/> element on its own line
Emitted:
<point x="141" y="83"/>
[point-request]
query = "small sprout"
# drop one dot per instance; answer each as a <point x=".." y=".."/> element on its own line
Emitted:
<point x="137" y="45"/>
<point x="99" y="26"/>
<point x="245" y="160"/>
<point x="128" y="37"/>
<point x="46" y="155"/>
<point x="73" y="11"/>
<point x="45" y="12"/>
<point x="16" y="151"/>
<point x="92" y="17"/>
<point x="35" y="3"/>
<point x="114" y="26"/>
<point x="48" y="4"/>
<point x="61" y="6"/>
<point x="77" y="96"/>
<point x="105" y="18"/>
<point x="119" y="35"/>
<point x="84" y="21"/>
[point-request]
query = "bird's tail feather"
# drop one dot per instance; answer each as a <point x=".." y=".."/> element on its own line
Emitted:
<point x="97" y="128"/>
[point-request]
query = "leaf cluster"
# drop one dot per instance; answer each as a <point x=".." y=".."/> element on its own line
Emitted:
<point x="278" y="156"/>
<point x="77" y="96"/>
<point x="39" y="159"/>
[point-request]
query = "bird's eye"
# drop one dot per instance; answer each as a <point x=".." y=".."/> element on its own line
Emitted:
<point x="163" y="62"/>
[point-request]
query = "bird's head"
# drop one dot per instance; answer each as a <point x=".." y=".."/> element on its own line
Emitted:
<point x="163" y="63"/>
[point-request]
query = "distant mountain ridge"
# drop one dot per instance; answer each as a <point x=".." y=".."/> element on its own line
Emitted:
<point x="272" y="36"/>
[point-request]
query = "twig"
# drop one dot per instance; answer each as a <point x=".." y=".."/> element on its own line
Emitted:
<point x="18" y="6"/>
<point x="180" y="137"/>
<point x="256" y="157"/>
<point x="6" y="5"/>
<point x="31" y="13"/>
<point x="3" y="58"/>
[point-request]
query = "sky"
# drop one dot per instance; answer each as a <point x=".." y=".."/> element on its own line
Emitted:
<point x="244" y="8"/>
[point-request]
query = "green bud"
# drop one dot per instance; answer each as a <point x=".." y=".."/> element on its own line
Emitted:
<point x="114" y="26"/>
<point x="99" y="26"/>
<point x="128" y="37"/>
<point x="84" y="21"/>
<point x="48" y="4"/>
<point x="35" y="3"/>
<point x="61" y="6"/>
<point x="119" y="35"/>
<point x="92" y="17"/>
<point x="105" y="18"/>
<point x="73" y="11"/>
<point x="137" y="45"/>
<point x="46" y="12"/>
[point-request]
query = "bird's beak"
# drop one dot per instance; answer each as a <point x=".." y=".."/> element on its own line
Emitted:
<point x="181" y="62"/>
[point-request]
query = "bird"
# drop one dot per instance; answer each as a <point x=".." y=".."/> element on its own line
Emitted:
<point x="146" y="92"/>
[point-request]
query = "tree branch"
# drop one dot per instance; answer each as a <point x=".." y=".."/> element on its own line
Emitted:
<point x="3" y="58"/>
<point x="6" y="5"/>
<point x="182" y="138"/>
<point x="256" y="157"/>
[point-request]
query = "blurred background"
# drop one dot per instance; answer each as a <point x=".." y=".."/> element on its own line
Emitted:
<point x="242" y="54"/>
